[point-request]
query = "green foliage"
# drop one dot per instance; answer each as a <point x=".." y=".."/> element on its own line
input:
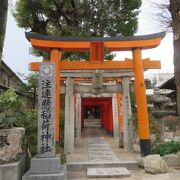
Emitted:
<point x="60" y="146"/>
<point x="102" y="18"/>
<point x="10" y="121"/>
<point x="133" y="102"/>
<point x="9" y="105"/>
<point x="134" y="120"/>
<point x="29" y="120"/>
<point x="79" y="18"/>
<point x="31" y="86"/>
<point x="32" y="80"/>
<point x="60" y="150"/>
<point x="166" y="148"/>
<point x="62" y="120"/>
<point x="9" y="100"/>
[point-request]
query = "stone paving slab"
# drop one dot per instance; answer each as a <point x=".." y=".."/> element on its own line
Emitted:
<point x="101" y="153"/>
<point x="97" y="172"/>
<point x="101" y="159"/>
<point x="99" y="141"/>
<point x="118" y="172"/>
<point x="104" y="145"/>
<point x="96" y="139"/>
<point x="108" y="172"/>
<point x="99" y="150"/>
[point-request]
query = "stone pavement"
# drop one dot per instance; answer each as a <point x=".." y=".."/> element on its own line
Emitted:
<point x="81" y="151"/>
<point x="99" y="150"/>
<point x="96" y="146"/>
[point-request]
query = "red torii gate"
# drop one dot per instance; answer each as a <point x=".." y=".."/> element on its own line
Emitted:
<point x="96" y="46"/>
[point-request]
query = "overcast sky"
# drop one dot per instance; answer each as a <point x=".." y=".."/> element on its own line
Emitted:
<point x="16" y="47"/>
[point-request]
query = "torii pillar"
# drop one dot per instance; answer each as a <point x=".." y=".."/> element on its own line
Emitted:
<point x="140" y="89"/>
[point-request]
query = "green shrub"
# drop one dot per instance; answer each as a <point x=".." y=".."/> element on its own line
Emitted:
<point x="10" y="104"/>
<point x="9" y="100"/>
<point x="60" y="150"/>
<point x="166" y="148"/>
<point x="29" y="120"/>
<point x="62" y="120"/>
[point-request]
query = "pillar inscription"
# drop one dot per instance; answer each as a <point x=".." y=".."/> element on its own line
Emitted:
<point x="46" y="110"/>
<point x="115" y="116"/>
<point x="78" y="116"/>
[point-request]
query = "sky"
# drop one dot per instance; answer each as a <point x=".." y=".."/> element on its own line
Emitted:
<point x="16" y="47"/>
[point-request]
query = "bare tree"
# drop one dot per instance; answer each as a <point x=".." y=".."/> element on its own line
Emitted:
<point x="169" y="17"/>
<point x="174" y="9"/>
<point x="161" y="15"/>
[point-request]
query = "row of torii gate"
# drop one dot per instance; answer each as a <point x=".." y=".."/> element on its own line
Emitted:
<point x="118" y="71"/>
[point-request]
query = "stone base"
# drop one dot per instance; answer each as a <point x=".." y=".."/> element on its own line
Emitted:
<point x="14" y="170"/>
<point x="46" y="169"/>
<point x="62" y="175"/>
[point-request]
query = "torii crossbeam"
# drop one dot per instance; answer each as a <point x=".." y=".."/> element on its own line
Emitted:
<point x="95" y="46"/>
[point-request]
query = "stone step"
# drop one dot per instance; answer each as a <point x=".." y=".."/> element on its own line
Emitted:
<point x="92" y="120"/>
<point x="90" y="126"/>
<point x="93" y="123"/>
<point x="87" y="123"/>
<point x="79" y="166"/>
<point x="108" y="172"/>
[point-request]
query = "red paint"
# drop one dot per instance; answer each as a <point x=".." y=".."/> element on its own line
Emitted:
<point x="105" y="105"/>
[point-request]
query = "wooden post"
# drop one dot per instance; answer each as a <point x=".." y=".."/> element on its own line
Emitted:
<point x="55" y="57"/>
<point x="142" y="112"/>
